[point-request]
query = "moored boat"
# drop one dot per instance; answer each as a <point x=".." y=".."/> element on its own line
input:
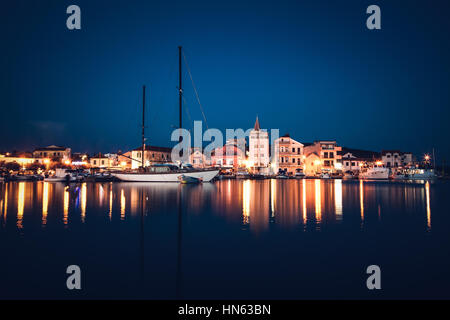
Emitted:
<point x="167" y="173"/>
<point x="25" y="177"/>
<point x="375" y="173"/>
<point x="64" y="175"/>
<point x="325" y="175"/>
<point x="257" y="176"/>
<point x="101" y="177"/>
<point x="242" y="174"/>
<point x="299" y="174"/>
<point x="347" y="175"/>
<point x="415" y="174"/>
<point x="188" y="180"/>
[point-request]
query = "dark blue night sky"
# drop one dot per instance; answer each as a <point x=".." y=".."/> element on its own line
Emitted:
<point x="310" y="68"/>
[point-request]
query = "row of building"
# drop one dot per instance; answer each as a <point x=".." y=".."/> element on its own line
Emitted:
<point x="258" y="156"/>
<point x="291" y="156"/>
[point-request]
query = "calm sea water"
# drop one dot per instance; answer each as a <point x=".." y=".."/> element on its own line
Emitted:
<point x="274" y="239"/>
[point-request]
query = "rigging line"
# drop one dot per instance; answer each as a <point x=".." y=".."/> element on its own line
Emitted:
<point x="187" y="112"/>
<point x="195" y="90"/>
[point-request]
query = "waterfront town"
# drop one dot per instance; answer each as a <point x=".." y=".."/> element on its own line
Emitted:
<point x="317" y="159"/>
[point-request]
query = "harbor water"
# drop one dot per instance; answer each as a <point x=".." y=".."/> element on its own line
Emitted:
<point x="233" y="239"/>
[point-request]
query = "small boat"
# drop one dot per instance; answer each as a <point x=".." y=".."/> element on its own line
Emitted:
<point x="348" y="175"/>
<point x="55" y="179"/>
<point x="103" y="177"/>
<point x="242" y="175"/>
<point x="187" y="179"/>
<point x="9" y="178"/>
<point x="257" y="176"/>
<point x="299" y="174"/>
<point x="324" y="175"/>
<point x="375" y="173"/>
<point x="165" y="172"/>
<point x="38" y="177"/>
<point x="415" y="174"/>
<point x="25" y="177"/>
<point x="64" y="175"/>
<point x="282" y="174"/>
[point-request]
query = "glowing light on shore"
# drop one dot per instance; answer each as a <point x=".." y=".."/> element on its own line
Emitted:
<point x="79" y="163"/>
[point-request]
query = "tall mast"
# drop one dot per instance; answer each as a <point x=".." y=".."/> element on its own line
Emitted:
<point x="180" y="89"/>
<point x="143" y="126"/>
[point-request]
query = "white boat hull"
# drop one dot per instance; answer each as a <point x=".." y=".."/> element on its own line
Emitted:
<point x="375" y="174"/>
<point x="418" y="176"/>
<point x="56" y="179"/>
<point x="205" y="176"/>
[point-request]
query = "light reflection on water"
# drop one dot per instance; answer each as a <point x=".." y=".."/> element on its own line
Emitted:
<point x="20" y="204"/>
<point x="66" y="206"/>
<point x="45" y="204"/>
<point x="201" y="237"/>
<point x="361" y="200"/>
<point x="338" y="198"/>
<point x="253" y="204"/>
<point x="427" y="189"/>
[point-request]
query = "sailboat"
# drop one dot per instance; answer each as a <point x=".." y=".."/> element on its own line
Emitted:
<point x="166" y="172"/>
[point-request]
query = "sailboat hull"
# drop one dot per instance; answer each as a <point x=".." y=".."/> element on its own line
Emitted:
<point x="204" y="175"/>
